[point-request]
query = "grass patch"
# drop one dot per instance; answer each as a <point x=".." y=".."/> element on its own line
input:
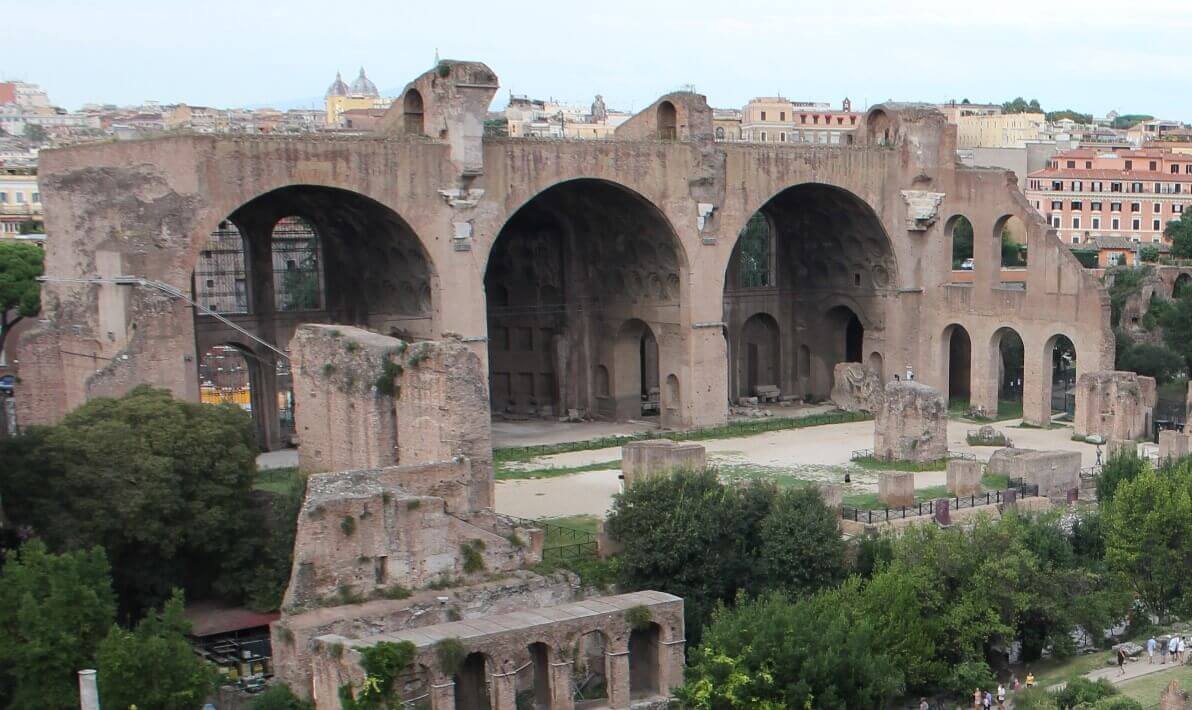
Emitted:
<point x="995" y="481"/>
<point x="1147" y="689"/>
<point x="1009" y="409"/>
<point x="1051" y="671"/>
<point x="277" y="480"/>
<point x="724" y="431"/>
<point x="875" y="464"/>
<point x="870" y="501"/>
<point x="585" y="523"/>
<point x="502" y="471"/>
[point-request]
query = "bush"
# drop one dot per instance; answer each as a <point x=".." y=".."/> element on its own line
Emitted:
<point x="1081" y="690"/>
<point x="279" y="697"/>
<point x="451" y="655"/>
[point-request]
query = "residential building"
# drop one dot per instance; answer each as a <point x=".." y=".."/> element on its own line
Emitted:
<point x="780" y="120"/>
<point x="1001" y="130"/>
<point x="954" y="111"/>
<point x="20" y="202"/>
<point x="538" y="118"/>
<point x="1088" y="193"/>
<point x="726" y="124"/>
<point x="362" y="94"/>
<point x="1153" y="130"/>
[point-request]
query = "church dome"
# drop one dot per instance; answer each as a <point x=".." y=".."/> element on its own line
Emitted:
<point x="338" y="88"/>
<point x="363" y="86"/>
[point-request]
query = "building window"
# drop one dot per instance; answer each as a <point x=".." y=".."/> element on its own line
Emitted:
<point x="1129" y="165"/>
<point x="1135" y="187"/>
<point x="1095" y="206"/>
<point x="1077" y="186"/>
<point x="1135" y="206"/>
<point x="1154" y="166"/>
<point x="1057" y="205"/>
<point x="1088" y="165"/>
<point x="1096" y="222"/>
<point x="36" y="198"/>
<point x="763" y="115"/>
<point x="1157" y="208"/>
<point x="1136" y="223"/>
<point x="1095" y="186"/>
<point x="1057" y="185"/>
<point x="1116" y="224"/>
<point x="782" y="115"/>
<point x="1055" y="221"/>
<point x="20" y="198"/>
<point x="1075" y="240"/>
<point x="1115" y="187"/>
<point x="1188" y="169"/>
<point x="1177" y="209"/>
<point x="782" y="137"/>
<point x="3" y="198"/>
<point x="1175" y="170"/>
<point x="1155" y="240"/>
<point x="1071" y="163"/>
<point x="1115" y="207"/>
<point x="763" y="136"/>
<point x="1155" y="225"/>
<point x="1076" y="222"/>
<point x="1077" y="205"/>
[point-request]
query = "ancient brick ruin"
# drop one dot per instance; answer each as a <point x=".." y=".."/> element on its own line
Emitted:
<point x="911" y="423"/>
<point x="1115" y="405"/>
<point x="659" y="457"/>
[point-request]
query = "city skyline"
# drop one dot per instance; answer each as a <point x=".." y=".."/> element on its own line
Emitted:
<point x="132" y="51"/>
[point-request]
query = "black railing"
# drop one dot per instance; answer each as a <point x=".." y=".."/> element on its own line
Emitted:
<point x="562" y="543"/>
<point x="927" y="507"/>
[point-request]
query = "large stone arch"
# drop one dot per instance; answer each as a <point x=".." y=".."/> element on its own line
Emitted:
<point x="829" y="251"/>
<point x="565" y="272"/>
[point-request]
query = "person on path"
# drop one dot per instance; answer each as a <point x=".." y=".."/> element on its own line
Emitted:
<point x="1121" y="660"/>
<point x="987" y="701"/>
<point x="1015" y="683"/>
<point x="1030" y="679"/>
<point x="977" y="699"/>
<point x="1001" y="696"/>
<point x="1151" y="643"/>
<point x="923" y="704"/>
<point x="1173" y="648"/>
<point x="1163" y="651"/>
<point x="1180" y="649"/>
<point x="1098" y="454"/>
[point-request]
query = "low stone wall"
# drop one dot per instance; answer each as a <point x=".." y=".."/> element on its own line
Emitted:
<point x="659" y="457"/>
<point x="642" y="657"/>
<point x="1057" y="473"/>
<point x="293" y="634"/>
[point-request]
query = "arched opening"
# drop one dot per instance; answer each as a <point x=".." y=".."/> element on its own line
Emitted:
<point x="309" y="254"/>
<point x="575" y="267"/>
<point x="220" y="280"/>
<point x="1009" y="366"/>
<point x="668" y="124"/>
<point x="960" y="230"/>
<point x="226" y="374"/>
<point x="1180" y="289"/>
<point x="412" y="116"/>
<point x="875" y="362"/>
<point x="644" y="649"/>
<point x="757" y="356"/>
<point x="1061" y="358"/>
<point x="635" y="368"/>
<point x="671" y="401"/>
<point x="538" y="695"/>
<point x="879" y="128"/>
<point x="297" y="276"/>
<point x="960" y="354"/>
<point x="1011" y="237"/>
<point x="818" y="261"/>
<point x="472" y="683"/>
<point x="589" y="671"/>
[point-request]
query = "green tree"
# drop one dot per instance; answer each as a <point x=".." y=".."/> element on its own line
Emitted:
<point x="690" y="535"/>
<point x="801" y="549"/>
<point x="1176" y="322"/>
<point x="1053" y="116"/>
<point x="165" y="486"/>
<point x="1151" y="360"/>
<point x="1148" y="536"/>
<point x="775" y="652"/>
<point x="1149" y="254"/>
<point x="1021" y="105"/>
<point x="962" y="241"/>
<point x="1180" y="233"/>
<point x="1013" y="253"/>
<point x="154" y="667"/>
<point x="54" y="610"/>
<point x="1131" y="119"/>
<point x="20" y="293"/>
<point x="279" y="697"/>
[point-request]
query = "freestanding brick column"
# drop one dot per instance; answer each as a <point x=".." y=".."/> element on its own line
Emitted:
<point x="911" y="423"/>
<point x="896" y="488"/>
<point x="503" y="690"/>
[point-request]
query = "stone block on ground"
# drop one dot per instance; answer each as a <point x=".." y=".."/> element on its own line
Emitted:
<point x="1057" y="473"/>
<point x="659" y="457"/>
<point x="911" y="423"/>
<point x="964" y="477"/>
<point x="856" y="388"/>
<point x="832" y="493"/>
<point x="1174" y="444"/>
<point x="1115" y="447"/>
<point x="896" y="488"/>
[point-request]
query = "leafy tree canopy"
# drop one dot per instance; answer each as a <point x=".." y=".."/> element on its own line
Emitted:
<point x="54" y="610"/>
<point x="20" y="293"/>
<point x="1180" y="233"/>
<point x="154" y="666"/>
<point x="1021" y="105"/>
<point x="165" y="486"/>
<point x="1069" y="114"/>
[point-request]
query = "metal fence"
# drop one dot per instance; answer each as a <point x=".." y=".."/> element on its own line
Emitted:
<point x="868" y="454"/>
<point x="927" y="507"/>
<point x="563" y="543"/>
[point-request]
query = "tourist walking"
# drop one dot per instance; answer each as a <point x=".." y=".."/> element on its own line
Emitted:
<point x="1151" y="643"/>
<point x="1121" y="660"/>
<point x="923" y="704"/>
<point x="1163" y="651"/>
<point x="987" y="701"/>
<point x="977" y="699"/>
<point x="1001" y="696"/>
<point x="1030" y="679"/>
<point x="1180" y="650"/>
<point x="1173" y="648"/>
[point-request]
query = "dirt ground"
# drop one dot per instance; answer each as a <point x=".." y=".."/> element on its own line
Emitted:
<point x="814" y="454"/>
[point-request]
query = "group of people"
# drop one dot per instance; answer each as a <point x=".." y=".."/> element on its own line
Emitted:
<point x="985" y="699"/>
<point x="1176" y="647"/>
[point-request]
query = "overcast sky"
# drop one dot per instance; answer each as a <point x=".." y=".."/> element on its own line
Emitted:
<point x="1092" y="56"/>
